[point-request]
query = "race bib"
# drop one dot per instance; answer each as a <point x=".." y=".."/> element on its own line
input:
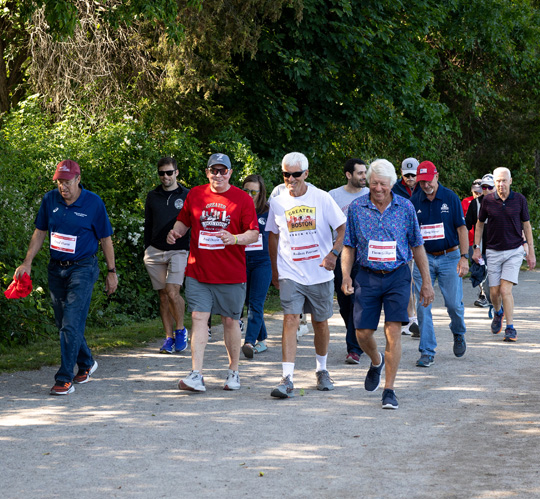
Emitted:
<point x="63" y="242"/>
<point x="209" y="241"/>
<point x="305" y="253"/>
<point x="257" y="245"/>
<point x="431" y="232"/>
<point x="382" y="251"/>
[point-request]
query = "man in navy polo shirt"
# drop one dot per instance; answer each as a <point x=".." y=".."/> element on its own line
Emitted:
<point x="76" y="221"/>
<point x="382" y="235"/>
<point x="446" y="240"/>
<point x="508" y="215"/>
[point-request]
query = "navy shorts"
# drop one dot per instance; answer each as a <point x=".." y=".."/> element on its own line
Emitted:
<point x="373" y="291"/>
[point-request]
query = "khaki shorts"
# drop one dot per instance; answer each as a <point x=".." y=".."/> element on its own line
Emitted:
<point x="165" y="267"/>
<point x="504" y="265"/>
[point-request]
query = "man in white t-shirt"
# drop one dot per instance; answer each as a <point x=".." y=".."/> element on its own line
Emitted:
<point x="303" y="256"/>
<point x="355" y="173"/>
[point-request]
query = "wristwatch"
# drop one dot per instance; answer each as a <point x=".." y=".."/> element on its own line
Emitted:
<point x="464" y="255"/>
<point x="112" y="271"/>
<point x="335" y="253"/>
<point x="475" y="246"/>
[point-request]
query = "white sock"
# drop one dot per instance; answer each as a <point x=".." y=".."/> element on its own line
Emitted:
<point x="413" y="319"/>
<point x="321" y="362"/>
<point x="288" y="369"/>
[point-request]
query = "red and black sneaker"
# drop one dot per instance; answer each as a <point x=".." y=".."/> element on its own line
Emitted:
<point x="62" y="388"/>
<point x="83" y="376"/>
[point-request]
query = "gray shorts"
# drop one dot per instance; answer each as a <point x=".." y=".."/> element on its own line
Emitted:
<point x="314" y="299"/>
<point x="504" y="265"/>
<point x="226" y="300"/>
<point x="165" y="267"/>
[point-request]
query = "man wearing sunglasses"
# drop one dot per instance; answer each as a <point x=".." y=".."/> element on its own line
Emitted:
<point x="303" y="256"/>
<point x="446" y="241"/>
<point x="223" y="221"/>
<point x="486" y="185"/>
<point x="166" y="263"/>
<point x="406" y="186"/>
<point x="77" y="223"/>
<point x="509" y="219"/>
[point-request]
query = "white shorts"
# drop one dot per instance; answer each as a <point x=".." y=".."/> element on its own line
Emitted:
<point x="504" y="265"/>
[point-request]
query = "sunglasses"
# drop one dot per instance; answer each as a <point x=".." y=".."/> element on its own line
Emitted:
<point x="168" y="172"/>
<point x="253" y="192"/>
<point x="489" y="187"/>
<point x="219" y="171"/>
<point x="409" y="175"/>
<point x="476" y="183"/>
<point x="294" y="174"/>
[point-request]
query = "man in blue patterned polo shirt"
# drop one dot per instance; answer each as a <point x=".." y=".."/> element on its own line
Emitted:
<point x="446" y="240"/>
<point x="382" y="234"/>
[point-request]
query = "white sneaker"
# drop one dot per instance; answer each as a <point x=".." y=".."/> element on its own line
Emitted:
<point x="194" y="383"/>
<point x="233" y="381"/>
<point x="405" y="329"/>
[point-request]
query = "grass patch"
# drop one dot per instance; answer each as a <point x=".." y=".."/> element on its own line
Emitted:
<point x="45" y="351"/>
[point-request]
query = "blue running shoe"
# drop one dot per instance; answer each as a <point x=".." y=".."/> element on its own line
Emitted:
<point x="180" y="339"/>
<point x="459" y="345"/>
<point x="389" y="399"/>
<point x="168" y="345"/>
<point x="373" y="376"/>
<point x="496" y="323"/>
<point x="425" y="360"/>
<point x="510" y="334"/>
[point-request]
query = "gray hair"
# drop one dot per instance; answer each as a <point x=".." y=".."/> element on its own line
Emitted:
<point x="502" y="169"/>
<point x="295" y="159"/>
<point x="384" y="168"/>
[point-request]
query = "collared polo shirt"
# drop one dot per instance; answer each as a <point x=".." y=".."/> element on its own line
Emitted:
<point x="74" y="230"/>
<point x="503" y="232"/>
<point x="439" y="219"/>
<point x="367" y="227"/>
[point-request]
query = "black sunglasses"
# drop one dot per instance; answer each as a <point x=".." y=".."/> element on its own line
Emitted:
<point x="294" y="174"/>
<point x="489" y="187"/>
<point x="409" y="175"/>
<point x="168" y="172"/>
<point x="219" y="171"/>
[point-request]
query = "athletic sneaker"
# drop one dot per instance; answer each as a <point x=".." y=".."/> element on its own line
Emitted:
<point x="510" y="334"/>
<point x="496" y="323"/>
<point x="352" y="358"/>
<point x="180" y="339"/>
<point x="389" y="399"/>
<point x="373" y="376"/>
<point x="425" y="360"/>
<point x="233" y="381"/>
<point x="168" y="345"/>
<point x="247" y="350"/>
<point x="482" y="302"/>
<point x="414" y="329"/>
<point x="459" y="345"/>
<point x="83" y="376"/>
<point x="324" y="382"/>
<point x="194" y="382"/>
<point x="284" y="390"/>
<point x="241" y="324"/>
<point x="62" y="388"/>
<point x="209" y="333"/>
<point x="405" y="331"/>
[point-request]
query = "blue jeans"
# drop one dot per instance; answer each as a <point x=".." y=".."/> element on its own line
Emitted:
<point x="346" y="307"/>
<point x="443" y="268"/>
<point x="259" y="277"/>
<point x="71" y="291"/>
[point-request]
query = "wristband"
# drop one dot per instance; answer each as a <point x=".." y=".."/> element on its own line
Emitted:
<point x="112" y="271"/>
<point x="464" y="255"/>
<point x="235" y="239"/>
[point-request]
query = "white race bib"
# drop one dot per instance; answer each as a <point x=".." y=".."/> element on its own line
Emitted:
<point x="431" y="232"/>
<point x="257" y="245"/>
<point x="63" y="242"/>
<point x="382" y="251"/>
<point x="305" y="253"/>
<point x="208" y="240"/>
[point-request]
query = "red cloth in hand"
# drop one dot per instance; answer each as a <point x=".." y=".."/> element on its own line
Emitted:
<point x="20" y="287"/>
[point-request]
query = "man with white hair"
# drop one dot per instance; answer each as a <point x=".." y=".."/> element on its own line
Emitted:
<point x="509" y="219"/>
<point x="382" y="235"/>
<point x="303" y="259"/>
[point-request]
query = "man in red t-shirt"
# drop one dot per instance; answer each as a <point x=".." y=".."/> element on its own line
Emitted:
<point x="223" y="220"/>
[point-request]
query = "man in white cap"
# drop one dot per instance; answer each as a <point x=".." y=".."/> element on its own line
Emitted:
<point x="406" y="186"/>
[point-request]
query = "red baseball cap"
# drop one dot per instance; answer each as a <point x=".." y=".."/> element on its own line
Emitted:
<point x="66" y="170"/>
<point x="426" y="171"/>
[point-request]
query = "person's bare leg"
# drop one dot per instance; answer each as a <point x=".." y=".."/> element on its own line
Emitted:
<point x="496" y="299"/>
<point x="176" y="304"/>
<point x="199" y="338"/>
<point x="506" y="288"/>
<point x="288" y="338"/>
<point x="165" y="313"/>
<point x="232" y="336"/>
<point x="367" y="343"/>
<point x="392" y="352"/>
<point x="321" y="336"/>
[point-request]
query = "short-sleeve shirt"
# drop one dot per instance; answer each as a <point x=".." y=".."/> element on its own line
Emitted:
<point x="75" y="229"/>
<point x="258" y="251"/>
<point x="207" y="213"/>
<point x="304" y="225"/>
<point x="504" y="230"/>
<point x="382" y="241"/>
<point x="439" y="219"/>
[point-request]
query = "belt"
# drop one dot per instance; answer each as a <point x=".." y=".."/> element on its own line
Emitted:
<point x="69" y="263"/>
<point x="384" y="272"/>
<point x="444" y="252"/>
